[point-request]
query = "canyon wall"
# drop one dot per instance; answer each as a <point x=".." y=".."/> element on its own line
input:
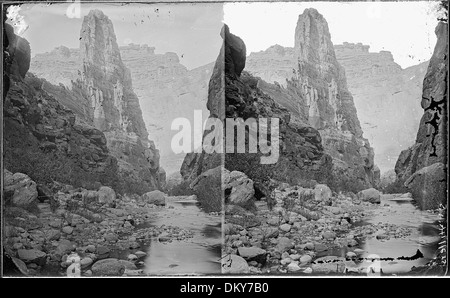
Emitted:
<point x="381" y="90"/>
<point x="44" y="139"/>
<point x="165" y="88"/>
<point x="309" y="82"/>
<point x="423" y="166"/>
<point x="95" y="84"/>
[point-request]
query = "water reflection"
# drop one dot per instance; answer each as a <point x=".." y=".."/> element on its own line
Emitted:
<point x="424" y="236"/>
<point x="195" y="256"/>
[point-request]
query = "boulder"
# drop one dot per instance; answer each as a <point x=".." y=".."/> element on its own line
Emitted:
<point x="108" y="267"/>
<point x="293" y="267"/>
<point x="64" y="247"/>
<point x="428" y="186"/>
<point x="21" y="266"/>
<point x="102" y="252"/>
<point x="234" y="264"/>
<point x="106" y="195"/>
<point x="67" y="230"/>
<point x="252" y="253"/>
<point x="52" y="235"/>
<point x="111" y="237"/>
<point x="140" y="254"/>
<point x="242" y="189"/>
<point x="329" y="235"/>
<point x="86" y="262"/>
<point x="284" y="244"/>
<point x="285" y="227"/>
<point x="322" y="193"/>
<point x="305" y="259"/>
<point x="208" y="188"/>
<point x="370" y="195"/>
<point x="155" y="197"/>
<point x="20" y="189"/>
<point x="92" y="196"/>
<point x="32" y="256"/>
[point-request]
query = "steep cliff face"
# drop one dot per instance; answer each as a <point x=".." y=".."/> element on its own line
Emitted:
<point x="315" y="93"/>
<point x="114" y="106"/>
<point x="423" y="166"/>
<point x="234" y="93"/>
<point x="165" y="88"/>
<point x="44" y="139"/>
<point x="381" y="89"/>
<point x="95" y="84"/>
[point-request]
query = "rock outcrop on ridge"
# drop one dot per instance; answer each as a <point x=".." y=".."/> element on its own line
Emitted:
<point x="422" y="167"/>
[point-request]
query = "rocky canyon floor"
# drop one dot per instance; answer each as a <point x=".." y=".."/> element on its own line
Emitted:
<point x="169" y="236"/>
<point x="341" y="235"/>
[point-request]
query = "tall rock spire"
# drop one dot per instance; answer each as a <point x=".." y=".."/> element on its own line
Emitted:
<point x="315" y="92"/>
<point x="108" y="81"/>
<point x="115" y="108"/>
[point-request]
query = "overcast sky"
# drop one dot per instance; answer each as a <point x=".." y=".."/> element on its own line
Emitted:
<point x="404" y="28"/>
<point x="191" y="30"/>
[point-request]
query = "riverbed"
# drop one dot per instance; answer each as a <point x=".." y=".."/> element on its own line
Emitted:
<point x="198" y="255"/>
<point x="402" y="212"/>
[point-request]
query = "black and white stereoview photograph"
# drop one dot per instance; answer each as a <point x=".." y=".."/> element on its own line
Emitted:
<point x="224" y="139"/>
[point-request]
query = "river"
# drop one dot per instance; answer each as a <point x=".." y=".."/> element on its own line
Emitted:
<point x="402" y="212"/>
<point x="198" y="255"/>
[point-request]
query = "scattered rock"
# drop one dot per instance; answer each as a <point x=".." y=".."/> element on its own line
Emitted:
<point x="285" y="227"/>
<point x="21" y="266"/>
<point x="88" y="273"/>
<point x="108" y="267"/>
<point x="53" y="235"/>
<point x="329" y="235"/>
<point x="309" y="246"/>
<point x="272" y="232"/>
<point x="242" y="189"/>
<point x="322" y="193"/>
<point x="67" y="230"/>
<point x="370" y="195"/>
<point x="106" y="195"/>
<point x="350" y="255"/>
<point x="32" y="256"/>
<point x="111" y="237"/>
<point x="305" y="259"/>
<point x="252" y="253"/>
<point x="293" y="267"/>
<point x="234" y="264"/>
<point x="64" y="247"/>
<point x="86" y="262"/>
<point x="284" y="244"/>
<point x="90" y="248"/>
<point x="20" y="188"/>
<point x="319" y="247"/>
<point x="102" y="252"/>
<point x="140" y="254"/>
<point x="428" y="186"/>
<point x="155" y="197"/>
